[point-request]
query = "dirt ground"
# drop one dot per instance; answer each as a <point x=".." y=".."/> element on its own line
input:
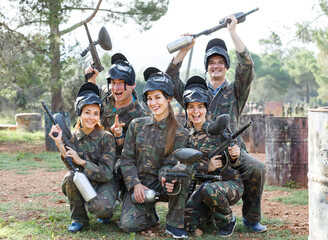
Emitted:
<point x="21" y="187"/>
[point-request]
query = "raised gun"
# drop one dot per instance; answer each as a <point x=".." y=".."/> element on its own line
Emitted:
<point x="105" y="43"/>
<point x="187" y="40"/>
<point x="80" y="180"/>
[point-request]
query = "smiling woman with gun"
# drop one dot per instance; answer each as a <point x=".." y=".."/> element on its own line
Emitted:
<point x="92" y="151"/>
<point x="213" y="198"/>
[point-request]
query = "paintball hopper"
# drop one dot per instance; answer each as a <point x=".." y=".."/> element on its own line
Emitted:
<point x="217" y="127"/>
<point x="187" y="155"/>
<point x="103" y="40"/>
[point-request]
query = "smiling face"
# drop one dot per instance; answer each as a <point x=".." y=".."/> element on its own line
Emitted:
<point x="89" y="117"/>
<point x="217" y="67"/>
<point x="196" y="113"/>
<point x="122" y="97"/>
<point x="158" y="104"/>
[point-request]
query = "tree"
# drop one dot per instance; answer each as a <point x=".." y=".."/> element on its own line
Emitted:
<point x="46" y="17"/>
<point x="302" y="66"/>
<point x="306" y="33"/>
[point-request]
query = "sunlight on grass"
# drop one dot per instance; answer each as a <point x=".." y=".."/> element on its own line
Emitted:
<point x="25" y="161"/>
<point x="21" y="136"/>
<point x="299" y="197"/>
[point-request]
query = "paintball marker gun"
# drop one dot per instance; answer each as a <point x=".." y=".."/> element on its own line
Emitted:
<point x="187" y="40"/>
<point x="105" y="43"/>
<point x="220" y="150"/>
<point x="80" y="180"/>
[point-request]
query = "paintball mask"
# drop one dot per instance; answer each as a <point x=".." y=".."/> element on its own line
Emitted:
<point x="121" y="69"/>
<point x="216" y="46"/>
<point x="157" y="80"/>
<point x="196" y="91"/>
<point x="88" y="94"/>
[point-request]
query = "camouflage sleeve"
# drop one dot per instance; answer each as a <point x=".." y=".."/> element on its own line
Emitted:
<point x="103" y="171"/>
<point x="243" y="78"/>
<point x="128" y="159"/>
<point x="173" y="71"/>
<point x="180" y="141"/>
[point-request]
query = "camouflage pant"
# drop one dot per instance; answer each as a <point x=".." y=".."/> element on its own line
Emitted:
<point x="102" y="206"/>
<point x="136" y="217"/>
<point x="252" y="172"/>
<point x="215" y="201"/>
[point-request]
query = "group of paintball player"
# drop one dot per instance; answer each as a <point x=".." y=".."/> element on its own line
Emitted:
<point x="124" y="151"/>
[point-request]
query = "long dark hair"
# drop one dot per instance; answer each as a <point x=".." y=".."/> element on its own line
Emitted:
<point x="171" y="126"/>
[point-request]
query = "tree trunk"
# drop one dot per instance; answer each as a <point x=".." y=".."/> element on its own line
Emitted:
<point x="307" y="93"/>
<point x="55" y="83"/>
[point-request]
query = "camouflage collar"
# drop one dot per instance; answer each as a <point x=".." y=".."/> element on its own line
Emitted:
<point x="93" y="135"/>
<point x="130" y="109"/>
<point x="150" y="120"/>
<point x="214" y="92"/>
<point x="204" y="127"/>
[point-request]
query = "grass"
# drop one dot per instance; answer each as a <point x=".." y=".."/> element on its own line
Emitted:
<point x="23" y="162"/>
<point x="21" y="136"/>
<point x="7" y="119"/>
<point x="296" y="196"/>
<point x="36" y="220"/>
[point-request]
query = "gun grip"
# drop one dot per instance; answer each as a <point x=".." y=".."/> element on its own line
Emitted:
<point x="88" y="76"/>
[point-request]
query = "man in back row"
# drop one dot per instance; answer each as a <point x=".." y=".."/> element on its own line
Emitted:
<point x="230" y="98"/>
<point x="121" y="106"/>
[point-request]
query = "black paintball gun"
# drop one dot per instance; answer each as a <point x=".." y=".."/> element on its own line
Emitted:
<point x="80" y="180"/>
<point x="187" y="40"/>
<point x="105" y="43"/>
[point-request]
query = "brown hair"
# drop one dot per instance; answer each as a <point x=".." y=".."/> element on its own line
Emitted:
<point x="171" y="126"/>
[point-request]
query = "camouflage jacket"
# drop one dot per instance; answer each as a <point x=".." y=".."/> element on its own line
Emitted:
<point x="206" y="143"/>
<point x="98" y="150"/>
<point x="143" y="159"/>
<point x="125" y="114"/>
<point x="231" y="98"/>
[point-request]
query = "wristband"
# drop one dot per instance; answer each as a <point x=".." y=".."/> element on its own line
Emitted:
<point x="122" y="136"/>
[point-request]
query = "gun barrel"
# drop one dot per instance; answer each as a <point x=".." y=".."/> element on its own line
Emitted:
<point x="48" y="112"/>
<point x="223" y="25"/>
<point x="240" y="131"/>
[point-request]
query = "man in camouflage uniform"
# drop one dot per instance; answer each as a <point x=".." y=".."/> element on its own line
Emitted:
<point x="120" y="105"/>
<point x="230" y="99"/>
<point x="93" y="154"/>
<point x="144" y="159"/>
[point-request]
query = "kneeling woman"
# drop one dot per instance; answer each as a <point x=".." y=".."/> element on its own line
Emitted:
<point x="213" y="199"/>
<point x="147" y="152"/>
<point x="92" y="150"/>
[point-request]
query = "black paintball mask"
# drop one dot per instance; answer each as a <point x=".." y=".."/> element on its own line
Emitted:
<point x="157" y="80"/>
<point x="121" y="69"/>
<point x="88" y="94"/>
<point x="196" y="91"/>
<point x="214" y="47"/>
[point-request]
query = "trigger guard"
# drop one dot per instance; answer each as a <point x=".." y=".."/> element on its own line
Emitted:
<point x="225" y="161"/>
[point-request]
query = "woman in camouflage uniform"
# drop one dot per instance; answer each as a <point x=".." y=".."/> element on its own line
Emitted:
<point x="92" y="150"/>
<point x="147" y="152"/>
<point x="213" y="199"/>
